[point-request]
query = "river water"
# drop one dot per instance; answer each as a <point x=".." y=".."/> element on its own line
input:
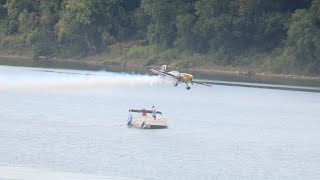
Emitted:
<point x="71" y="124"/>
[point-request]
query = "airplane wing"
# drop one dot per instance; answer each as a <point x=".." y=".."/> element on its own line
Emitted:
<point x="202" y="83"/>
<point x="162" y="72"/>
<point x="165" y="73"/>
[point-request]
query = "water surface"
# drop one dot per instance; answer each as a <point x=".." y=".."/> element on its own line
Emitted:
<point x="71" y="124"/>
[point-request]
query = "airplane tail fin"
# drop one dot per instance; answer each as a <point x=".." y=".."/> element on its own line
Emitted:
<point x="163" y="68"/>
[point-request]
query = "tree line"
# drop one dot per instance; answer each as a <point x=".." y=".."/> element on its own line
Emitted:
<point x="288" y="31"/>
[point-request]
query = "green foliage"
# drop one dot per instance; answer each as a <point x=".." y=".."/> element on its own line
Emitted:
<point x="185" y="37"/>
<point x="40" y="43"/>
<point x="303" y="43"/>
<point x="234" y="32"/>
<point x="141" y="21"/>
<point x="3" y="10"/>
<point x="161" y="30"/>
<point x="141" y="52"/>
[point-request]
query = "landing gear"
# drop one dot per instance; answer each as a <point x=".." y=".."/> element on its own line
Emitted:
<point x="179" y="80"/>
<point x="188" y="88"/>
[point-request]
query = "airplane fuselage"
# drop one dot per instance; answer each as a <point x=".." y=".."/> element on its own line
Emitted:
<point x="180" y="77"/>
<point x="183" y="77"/>
<point x="186" y="77"/>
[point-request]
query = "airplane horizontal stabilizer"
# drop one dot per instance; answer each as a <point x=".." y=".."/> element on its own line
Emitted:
<point x="202" y="83"/>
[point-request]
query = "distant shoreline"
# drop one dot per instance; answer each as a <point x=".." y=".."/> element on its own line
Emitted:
<point x="90" y="62"/>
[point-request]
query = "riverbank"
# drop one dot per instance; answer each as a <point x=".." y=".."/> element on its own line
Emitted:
<point x="210" y="72"/>
<point x="96" y="63"/>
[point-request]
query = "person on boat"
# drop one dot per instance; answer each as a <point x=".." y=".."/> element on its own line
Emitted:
<point x="154" y="112"/>
<point x="129" y="119"/>
<point x="144" y="113"/>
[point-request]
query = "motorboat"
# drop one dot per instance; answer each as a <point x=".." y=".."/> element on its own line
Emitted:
<point x="143" y="119"/>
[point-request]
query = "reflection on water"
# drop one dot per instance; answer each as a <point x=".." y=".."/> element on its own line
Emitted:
<point x="222" y="132"/>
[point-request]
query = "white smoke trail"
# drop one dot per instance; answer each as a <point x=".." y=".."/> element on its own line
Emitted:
<point x="46" y="81"/>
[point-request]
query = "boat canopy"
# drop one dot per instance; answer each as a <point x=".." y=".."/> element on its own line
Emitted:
<point x="146" y="111"/>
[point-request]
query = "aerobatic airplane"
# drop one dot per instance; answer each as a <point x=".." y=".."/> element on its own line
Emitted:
<point x="180" y="77"/>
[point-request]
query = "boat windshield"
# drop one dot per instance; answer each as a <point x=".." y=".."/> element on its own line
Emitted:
<point x="141" y="111"/>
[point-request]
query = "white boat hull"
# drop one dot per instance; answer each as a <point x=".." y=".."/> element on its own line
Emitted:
<point x="146" y="122"/>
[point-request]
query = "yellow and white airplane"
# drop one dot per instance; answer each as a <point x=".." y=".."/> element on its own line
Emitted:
<point x="180" y="77"/>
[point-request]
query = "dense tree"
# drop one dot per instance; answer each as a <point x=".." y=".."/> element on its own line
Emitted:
<point x="303" y="42"/>
<point x="3" y="15"/>
<point x="185" y="22"/>
<point x="89" y="26"/>
<point x="161" y="29"/>
<point x="3" y="11"/>
<point x="74" y="27"/>
<point x="224" y="30"/>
